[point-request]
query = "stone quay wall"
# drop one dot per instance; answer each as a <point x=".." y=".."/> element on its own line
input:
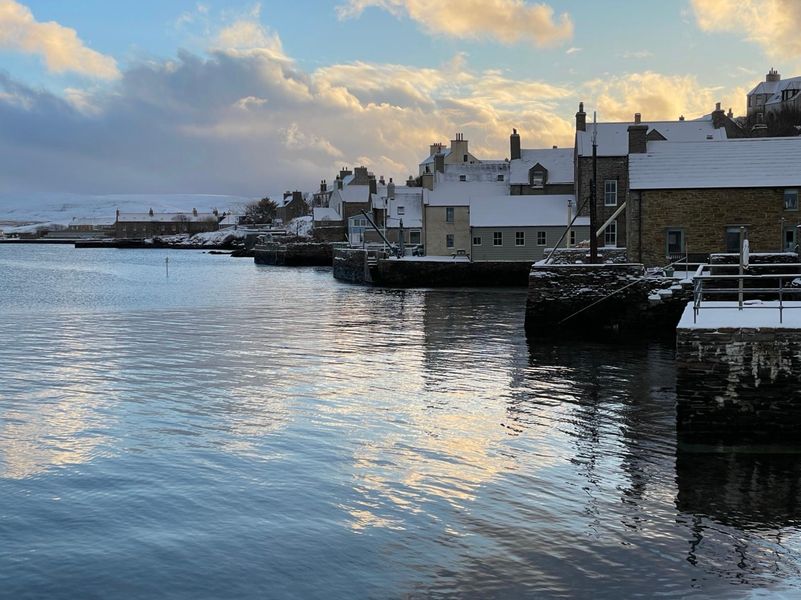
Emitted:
<point x="300" y="254"/>
<point x="351" y="266"/>
<point x="592" y="300"/>
<point x="738" y="385"/>
<point x="570" y="256"/>
<point x="422" y="273"/>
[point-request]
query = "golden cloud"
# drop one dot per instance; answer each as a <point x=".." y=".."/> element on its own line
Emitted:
<point x="507" y="21"/>
<point x="59" y="46"/>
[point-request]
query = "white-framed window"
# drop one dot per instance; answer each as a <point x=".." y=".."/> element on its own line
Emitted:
<point x="572" y="237"/>
<point x="401" y="210"/>
<point x="610" y="192"/>
<point x="476" y="240"/>
<point x="520" y="238"/>
<point x="449" y="240"/>
<point x="542" y="238"/>
<point x="462" y="177"/>
<point x="414" y="237"/>
<point x="610" y="235"/>
<point x="497" y="238"/>
<point x="449" y="214"/>
<point x="790" y="199"/>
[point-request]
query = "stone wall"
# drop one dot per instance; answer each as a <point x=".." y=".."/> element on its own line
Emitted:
<point x="604" y="299"/>
<point x="350" y="265"/>
<point x="462" y="273"/>
<point x="569" y="256"/>
<point x="738" y="385"/>
<point x="609" y="167"/>
<point x="703" y="215"/>
<point x="323" y="232"/>
<point x="300" y="254"/>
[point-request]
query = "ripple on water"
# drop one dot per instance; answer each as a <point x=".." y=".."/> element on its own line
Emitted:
<point x="234" y="431"/>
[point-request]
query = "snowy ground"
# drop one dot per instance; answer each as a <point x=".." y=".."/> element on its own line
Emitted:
<point x="207" y="238"/>
<point x="756" y="314"/>
<point x="62" y="208"/>
<point x="300" y="226"/>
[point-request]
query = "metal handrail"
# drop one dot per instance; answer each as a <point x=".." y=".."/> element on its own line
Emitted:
<point x="781" y="290"/>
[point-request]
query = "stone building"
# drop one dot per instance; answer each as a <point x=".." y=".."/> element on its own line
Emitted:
<point x="395" y="206"/>
<point x="292" y="205"/>
<point x="693" y="197"/>
<point x="774" y="95"/>
<point x="149" y="224"/>
<point x="349" y="197"/>
<point x="615" y="141"/>
<point x="546" y="171"/>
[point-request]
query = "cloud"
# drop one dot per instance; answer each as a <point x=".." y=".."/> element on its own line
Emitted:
<point x="59" y="46"/>
<point x="637" y="54"/>
<point x="773" y="24"/>
<point x="248" y="121"/>
<point x="507" y="21"/>
<point x="657" y="96"/>
<point x="573" y="50"/>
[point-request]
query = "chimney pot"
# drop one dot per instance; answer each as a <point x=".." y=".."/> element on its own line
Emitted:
<point x="637" y="118"/>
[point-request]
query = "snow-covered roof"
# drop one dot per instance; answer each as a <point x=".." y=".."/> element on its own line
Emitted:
<point x="324" y="213"/>
<point x="459" y="193"/>
<point x="736" y="163"/>
<point x="355" y="193"/>
<point x="164" y="217"/>
<point x="522" y="211"/>
<point x="613" y="138"/>
<point x="93" y="221"/>
<point x="445" y="152"/>
<point x="558" y="161"/>
<point x="774" y="88"/>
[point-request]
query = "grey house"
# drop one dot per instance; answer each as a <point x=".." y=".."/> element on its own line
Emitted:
<point x="520" y="228"/>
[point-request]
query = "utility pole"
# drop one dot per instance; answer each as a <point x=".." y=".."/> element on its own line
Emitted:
<point x="594" y="192"/>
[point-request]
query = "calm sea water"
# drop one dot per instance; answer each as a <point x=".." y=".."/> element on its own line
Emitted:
<point x="234" y="431"/>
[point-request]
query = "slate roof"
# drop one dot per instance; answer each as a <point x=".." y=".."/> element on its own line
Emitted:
<point x="558" y="161"/>
<point x="736" y="163"/>
<point x="522" y="211"/>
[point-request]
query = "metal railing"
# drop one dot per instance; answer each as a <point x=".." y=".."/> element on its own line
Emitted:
<point x="749" y="287"/>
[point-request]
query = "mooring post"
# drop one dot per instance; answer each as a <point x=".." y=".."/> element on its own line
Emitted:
<point x="167" y="265"/>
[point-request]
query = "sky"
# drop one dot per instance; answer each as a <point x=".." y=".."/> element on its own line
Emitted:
<point x="252" y="98"/>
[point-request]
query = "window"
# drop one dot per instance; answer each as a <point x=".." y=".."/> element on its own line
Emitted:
<point x="675" y="242"/>
<point x="476" y="240"/>
<point x="790" y="199"/>
<point x="541" y="238"/>
<point x="789" y="239"/>
<point x="610" y="235"/>
<point x="610" y="192"/>
<point x="465" y="158"/>
<point x="732" y="238"/>
<point x="414" y="237"/>
<point x="449" y="214"/>
<point x="572" y="237"/>
<point x="462" y="177"/>
<point x="497" y="238"/>
<point x="500" y="177"/>
<point x="449" y="240"/>
<point x="401" y="210"/>
<point x="520" y="238"/>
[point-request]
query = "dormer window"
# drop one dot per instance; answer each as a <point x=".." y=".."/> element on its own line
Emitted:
<point x="538" y="176"/>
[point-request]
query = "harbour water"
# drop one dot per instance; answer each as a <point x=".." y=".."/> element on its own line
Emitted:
<point x="236" y="431"/>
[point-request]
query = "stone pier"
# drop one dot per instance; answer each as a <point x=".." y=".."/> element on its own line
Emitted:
<point x="739" y="374"/>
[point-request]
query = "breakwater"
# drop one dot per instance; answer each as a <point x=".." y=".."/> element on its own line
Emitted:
<point x="294" y="254"/>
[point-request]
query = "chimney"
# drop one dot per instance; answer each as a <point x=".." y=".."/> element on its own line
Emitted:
<point x="730" y="114"/>
<point x="681" y="117"/>
<point x="581" y="118"/>
<point x="637" y="118"/>
<point x="287" y="194"/>
<point x="323" y="186"/>
<point x="194" y="212"/>
<point x="339" y="183"/>
<point x="381" y="180"/>
<point x="297" y="196"/>
<point x="372" y="183"/>
<point x="391" y="189"/>
<point x="555" y="147"/>
<point x="773" y="75"/>
<point x="718" y="117"/>
<point x="459" y="148"/>
<point x="150" y="212"/>
<point x="638" y="139"/>
<point x="514" y="144"/>
<point x="435" y="148"/>
<point x="439" y="163"/>
<point x="410" y="181"/>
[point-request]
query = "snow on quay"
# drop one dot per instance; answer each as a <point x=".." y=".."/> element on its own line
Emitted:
<point x="755" y="314"/>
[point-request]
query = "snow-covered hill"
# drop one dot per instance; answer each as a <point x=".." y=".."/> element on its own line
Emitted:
<point x="62" y="208"/>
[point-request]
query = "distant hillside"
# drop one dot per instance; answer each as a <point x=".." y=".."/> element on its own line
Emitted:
<point x="62" y="208"/>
